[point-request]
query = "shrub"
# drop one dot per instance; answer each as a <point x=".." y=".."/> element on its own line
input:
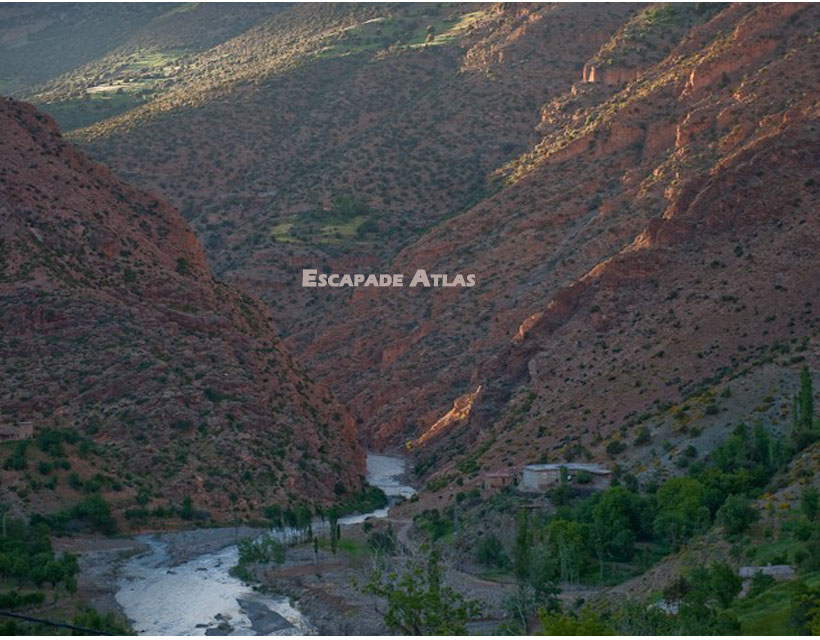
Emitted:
<point x="491" y="553"/>
<point x="615" y="447"/>
<point x="263" y="550"/>
<point x="737" y="515"/>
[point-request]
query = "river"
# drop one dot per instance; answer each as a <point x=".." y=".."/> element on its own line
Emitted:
<point x="199" y="597"/>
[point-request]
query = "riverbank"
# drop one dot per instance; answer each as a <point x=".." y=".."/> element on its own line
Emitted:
<point x="101" y="559"/>
<point x="325" y="587"/>
<point x="179" y="582"/>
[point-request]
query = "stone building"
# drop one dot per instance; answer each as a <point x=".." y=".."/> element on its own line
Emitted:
<point x="16" y="431"/>
<point x="495" y="480"/>
<point x="540" y="477"/>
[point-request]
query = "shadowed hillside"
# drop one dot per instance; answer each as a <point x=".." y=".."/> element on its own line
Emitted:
<point x="148" y="381"/>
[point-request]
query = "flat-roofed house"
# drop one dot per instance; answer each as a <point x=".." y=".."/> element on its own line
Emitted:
<point x="16" y="431"/>
<point x="495" y="480"/>
<point x="540" y="477"/>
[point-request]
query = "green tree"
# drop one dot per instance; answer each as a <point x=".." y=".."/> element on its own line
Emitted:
<point x="566" y="542"/>
<point x="186" y="512"/>
<point x="347" y="206"/>
<point x="490" y="552"/>
<point x="736" y="515"/>
<point x="106" y="622"/>
<point x="804" y="612"/>
<point x="418" y="603"/>
<point x="804" y="432"/>
<point x="263" y="550"/>
<point x="682" y="510"/>
<point x="304" y="518"/>
<point x="810" y="502"/>
<point x="704" y="609"/>
<point x="616" y="519"/>
<point x="522" y="547"/>
<point x="273" y="513"/>
<point x="638" y="619"/>
<point x="333" y="517"/>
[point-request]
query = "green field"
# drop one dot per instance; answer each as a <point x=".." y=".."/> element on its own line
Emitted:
<point x="81" y="112"/>
<point x="310" y="229"/>
<point x="768" y="613"/>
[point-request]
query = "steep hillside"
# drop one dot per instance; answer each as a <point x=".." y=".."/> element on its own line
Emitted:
<point x="361" y="104"/>
<point x="662" y="254"/>
<point x="147" y="379"/>
<point x="85" y="63"/>
<point x="39" y="43"/>
<point x="662" y="161"/>
<point x="612" y="160"/>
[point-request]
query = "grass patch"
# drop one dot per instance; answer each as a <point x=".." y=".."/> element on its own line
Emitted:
<point x="446" y="30"/>
<point x="768" y="613"/>
<point x="408" y="31"/>
<point x="337" y="232"/>
<point x="81" y="112"/>
<point x="779" y="552"/>
<point x="355" y="548"/>
<point x="154" y="59"/>
<point x="281" y="232"/>
<point x="319" y="227"/>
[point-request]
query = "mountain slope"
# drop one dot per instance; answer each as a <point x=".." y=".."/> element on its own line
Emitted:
<point x="612" y="159"/>
<point x="684" y="209"/>
<point x="336" y="101"/>
<point x="493" y="140"/>
<point x="115" y="331"/>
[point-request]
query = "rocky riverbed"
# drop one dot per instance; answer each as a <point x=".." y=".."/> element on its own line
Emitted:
<point x="179" y="583"/>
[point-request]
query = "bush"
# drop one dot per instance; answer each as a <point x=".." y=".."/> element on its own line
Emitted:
<point x="263" y="550"/>
<point x="491" y="553"/>
<point x="803" y="529"/>
<point x="760" y="583"/>
<point x="615" y="447"/>
<point x="737" y="515"/>
<point x="16" y="600"/>
<point x="91" y="513"/>
<point x="644" y="437"/>
<point x="583" y="477"/>
<point x="186" y="511"/>
<point x="382" y="542"/>
<point x="368" y="499"/>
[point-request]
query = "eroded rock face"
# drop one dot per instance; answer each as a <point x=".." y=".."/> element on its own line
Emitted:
<point x="112" y="324"/>
<point x="597" y="227"/>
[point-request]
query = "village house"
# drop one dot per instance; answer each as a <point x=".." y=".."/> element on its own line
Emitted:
<point x="495" y="480"/>
<point x="16" y="431"/>
<point x="540" y="477"/>
<point x="780" y="572"/>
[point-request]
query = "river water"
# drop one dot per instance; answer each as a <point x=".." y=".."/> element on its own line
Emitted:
<point x="200" y="597"/>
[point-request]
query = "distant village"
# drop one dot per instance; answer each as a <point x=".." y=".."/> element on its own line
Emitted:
<point x="537" y="478"/>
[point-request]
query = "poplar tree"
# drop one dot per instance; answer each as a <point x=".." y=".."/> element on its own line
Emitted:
<point x="804" y="432"/>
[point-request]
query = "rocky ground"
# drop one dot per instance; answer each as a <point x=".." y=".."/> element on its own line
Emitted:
<point x="326" y="587"/>
<point x="328" y="590"/>
<point x="100" y="560"/>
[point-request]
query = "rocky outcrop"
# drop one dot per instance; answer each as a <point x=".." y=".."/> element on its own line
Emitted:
<point x="610" y="76"/>
<point x="595" y="231"/>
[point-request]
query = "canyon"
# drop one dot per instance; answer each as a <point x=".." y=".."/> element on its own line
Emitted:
<point x="346" y="273"/>
<point x="615" y="195"/>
